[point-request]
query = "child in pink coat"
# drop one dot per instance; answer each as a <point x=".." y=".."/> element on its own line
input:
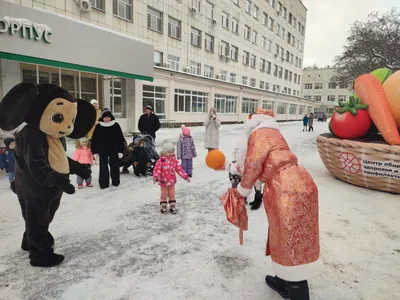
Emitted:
<point x="83" y="154"/>
<point x="164" y="174"/>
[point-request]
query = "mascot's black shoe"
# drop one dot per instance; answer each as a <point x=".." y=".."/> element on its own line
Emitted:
<point x="12" y="187"/>
<point x="47" y="261"/>
<point x="299" y="290"/>
<point x="278" y="285"/>
<point x="257" y="201"/>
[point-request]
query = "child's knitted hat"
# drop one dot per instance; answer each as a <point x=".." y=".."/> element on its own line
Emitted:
<point x="83" y="140"/>
<point x="137" y="141"/>
<point x="167" y="147"/>
<point x="186" y="131"/>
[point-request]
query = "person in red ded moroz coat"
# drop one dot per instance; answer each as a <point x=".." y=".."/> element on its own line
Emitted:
<point x="290" y="199"/>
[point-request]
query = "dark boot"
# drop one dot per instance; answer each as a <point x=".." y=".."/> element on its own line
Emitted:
<point x="48" y="260"/>
<point x="125" y="170"/>
<point x="257" y="201"/>
<point x="299" y="290"/>
<point x="278" y="285"/>
<point x="24" y="244"/>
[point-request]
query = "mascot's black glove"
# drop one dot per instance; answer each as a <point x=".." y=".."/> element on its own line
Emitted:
<point x="65" y="185"/>
<point x="83" y="170"/>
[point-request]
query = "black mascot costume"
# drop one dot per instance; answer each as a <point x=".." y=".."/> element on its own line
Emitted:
<point x="42" y="166"/>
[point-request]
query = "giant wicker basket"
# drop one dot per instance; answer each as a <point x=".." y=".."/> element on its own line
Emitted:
<point x="368" y="162"/>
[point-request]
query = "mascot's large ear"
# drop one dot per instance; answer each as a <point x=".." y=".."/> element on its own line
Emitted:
<point x="15" y="105"/>
<point x="85" y="119"/>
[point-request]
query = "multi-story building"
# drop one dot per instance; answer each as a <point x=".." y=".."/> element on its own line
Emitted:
<point x="319" y="85"/>
<point x="235" y="55"/>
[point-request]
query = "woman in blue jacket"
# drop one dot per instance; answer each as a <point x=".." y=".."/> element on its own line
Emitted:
<point x="7" y="158"/>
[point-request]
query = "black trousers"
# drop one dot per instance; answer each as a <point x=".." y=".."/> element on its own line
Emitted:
<point x="107" y="160"/>
<point x="38" y="213"/>
<point x="310" y="128"/>
<point x="140" y="169"/>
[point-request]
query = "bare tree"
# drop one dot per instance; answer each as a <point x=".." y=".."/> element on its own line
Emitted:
<point x="371" y="44"/>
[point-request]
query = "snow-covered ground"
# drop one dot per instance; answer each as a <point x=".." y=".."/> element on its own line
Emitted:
<point x="118" y="245"/>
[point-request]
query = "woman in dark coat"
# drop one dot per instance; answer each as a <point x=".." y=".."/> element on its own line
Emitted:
<point x="109" y="143"/>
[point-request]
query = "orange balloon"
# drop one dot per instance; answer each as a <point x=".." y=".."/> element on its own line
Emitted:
<point x="215" y="159"/>
<point x="392" y="91"/>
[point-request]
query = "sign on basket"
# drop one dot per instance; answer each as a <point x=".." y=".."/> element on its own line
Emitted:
<point x="349" y="163"/>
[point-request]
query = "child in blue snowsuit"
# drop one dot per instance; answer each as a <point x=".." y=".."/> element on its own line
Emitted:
<point x="7" y="162"/>
<point x="305" y="122"/>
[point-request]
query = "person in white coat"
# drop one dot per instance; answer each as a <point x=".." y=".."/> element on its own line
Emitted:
<point x="212" y="124"/>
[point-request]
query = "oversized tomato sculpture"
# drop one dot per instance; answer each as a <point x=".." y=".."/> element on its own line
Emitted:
<point x="351" y="121"/>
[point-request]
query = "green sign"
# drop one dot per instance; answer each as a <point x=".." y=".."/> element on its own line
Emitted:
<point x="26" y="29"/>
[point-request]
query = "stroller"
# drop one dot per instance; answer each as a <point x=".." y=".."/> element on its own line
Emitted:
<point x="150" y="148"/>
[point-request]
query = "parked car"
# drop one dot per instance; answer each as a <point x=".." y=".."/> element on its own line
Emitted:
<point x="320" y="116"/>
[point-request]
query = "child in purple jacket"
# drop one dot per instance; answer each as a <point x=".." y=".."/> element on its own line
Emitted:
<point x="186" y="150"/>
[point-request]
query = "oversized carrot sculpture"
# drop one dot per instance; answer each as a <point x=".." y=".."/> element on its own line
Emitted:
<point x="370" y="91"/>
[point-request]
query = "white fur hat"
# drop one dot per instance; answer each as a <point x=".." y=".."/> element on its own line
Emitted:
<point x="94" y="101"/>
<point x="168" y="147"/>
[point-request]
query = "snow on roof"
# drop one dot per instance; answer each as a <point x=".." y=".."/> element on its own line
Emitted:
<point x="94" y="26"/>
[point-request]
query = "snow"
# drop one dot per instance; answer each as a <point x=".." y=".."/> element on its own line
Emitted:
<point x="118" y="245"/>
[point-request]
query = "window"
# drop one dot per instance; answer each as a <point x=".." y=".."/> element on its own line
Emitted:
<point x="278" y="29"/>
<point x="272" y="3"/>
<point x="225" y="20"/>
<point x="225" y="104"/>
<point x="174" y="62"/>
<point x="284" y="12"/>
<point x="235" y="26"/>
<point x="196" y="37"/>
<point x="247" y="31"/>
<point x="289" y="91"/>
<point x="308" y="97"/>
<point x="295" y="78"/>
<point x="276" y="70"/>
<point x="285" y="90"/>
<point x="222" y="75"/>
<point x="174" y="28"/>
<point x="268" y="105"/>
<point x="236" y="2"/>
<point x="253" y="61"/>
<point x="248" y="6"/>
<point x="252" y="82"/>
<point x="281" y="109"/>
<point x="209" y="42"/>
<point x="274" y="87"/>
<point x="224" y="47"/>
<point x="117" y="97"/>
<point x="269" y="45"/>
<point x="155" y="96"/>
<point x="209" y="10"/>
<point x="290" y="18"/>
<point x="268" y="67"/>
<point x="299" y="27"/>
<point x="302" y="109"/>
<point x="292" y="109"/>
<point x="190" y="101"/>
<point x="262" y="65"/>
<point x="244" y="80"/>
<point x="262" y="83"/>
<point x="267" y="86"/>
<point x="286" y="74"/>
<point x="291" y="58"/>
<point x="157" y="58"/>
<point x="196" y="4"/>
<point x="298" y="79"/>
<point x="249" y="105"/>
<point x="265" y="19"/>
<point x="279" y="8"/>
<point x="342" y="97"/>
<point x="332" y="85"/>
<point x="282" y="53"/>
<point x="294" y="22"/>
<point x="234" y="53"/>
<point x="123" y="9"/>
<point x="290" y="76"/>
<point x="342" y="85"/>
<point x="283" y="33"/>
<point x="287" y="56"/>
<point x="98" y="4"/>
<point x="246" y="58"/>
<point x="264" y="42"/>
<point x="208" y="71"/>
<point x="300" y="63"/>
<point x="232" y="78"/>
<point x="255" y="12"/>
<point x="289" y="37"/>
<point x="280" y="72"/>
<point x="331" y="98"/>
<point x="195" y="68"/>
<point x="254" y="37"/>
<point x="317" y="98"/>
<point x="271" y="24"/>
<point x="154" y="20"/>
<point x="308" y="86"/>
<point x="318" y="86"/>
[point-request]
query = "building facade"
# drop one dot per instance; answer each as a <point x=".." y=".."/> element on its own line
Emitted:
<point x="319" y="85"/>
<point x="235" y="55"/>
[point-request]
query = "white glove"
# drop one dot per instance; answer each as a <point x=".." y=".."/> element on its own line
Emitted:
<point x="120" y="155"/>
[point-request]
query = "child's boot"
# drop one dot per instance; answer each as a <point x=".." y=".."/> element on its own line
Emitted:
<point x="89" y="184"/>
<point x="172" y="206"/>
<point x="299" y="290"/>
<point x="80" y="186"/>
<point x="257" y="201"/>
<point x="163" y="207"/>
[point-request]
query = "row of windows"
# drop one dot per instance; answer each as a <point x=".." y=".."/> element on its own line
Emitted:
<point x="319" y="86"/>
<point x="329" y="98"/>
